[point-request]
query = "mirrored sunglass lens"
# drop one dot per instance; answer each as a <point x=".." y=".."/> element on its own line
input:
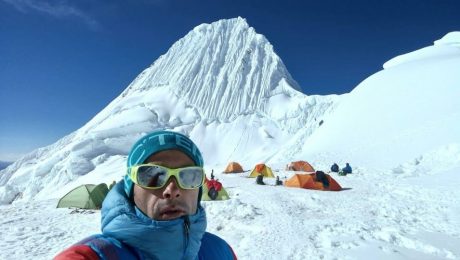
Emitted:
<point x="191" y="178"/>
<point x="151" y="176"/>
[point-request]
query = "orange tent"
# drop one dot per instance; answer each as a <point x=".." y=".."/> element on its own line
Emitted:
<point x="307" y="181"/>
<point x="233" y="167"/>
<point x="300" y="166"/>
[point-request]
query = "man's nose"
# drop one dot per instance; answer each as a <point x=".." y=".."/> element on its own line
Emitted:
<point x="172" y="189"/>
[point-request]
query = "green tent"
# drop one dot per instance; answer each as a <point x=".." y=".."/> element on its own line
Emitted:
<point x="87" y="196"/>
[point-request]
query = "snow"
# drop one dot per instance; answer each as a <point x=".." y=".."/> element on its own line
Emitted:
<point x="452" y="38"/>
<point x="380" y="215"/>
<point x="224" y="86"/>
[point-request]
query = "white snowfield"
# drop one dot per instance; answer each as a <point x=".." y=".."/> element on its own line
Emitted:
<point x="380" y="215"/>
<point x="224" y="86"/>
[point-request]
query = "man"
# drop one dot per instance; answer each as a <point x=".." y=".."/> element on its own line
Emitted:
<point x="155" y="212"/>
<point x="335" y="167"/>
<point x="347" y="169"/>
<point x="260" y="179"/>
<point x="278" y="181"/>
<point x="212" y="174"/>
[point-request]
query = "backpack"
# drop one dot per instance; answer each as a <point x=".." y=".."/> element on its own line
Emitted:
<point x="212" y="193"/>
<point x="320" y="176"/>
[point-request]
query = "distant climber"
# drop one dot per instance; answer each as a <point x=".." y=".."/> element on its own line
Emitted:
<point x="347" y="169"/>
<point x="278" y="181"/>
<point x="335" y="167"/>
<point x="212" y="174"/>
<point x="260" y="179"/>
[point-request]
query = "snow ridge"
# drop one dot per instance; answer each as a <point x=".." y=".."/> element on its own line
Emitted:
<point x="452" y="39"/>
<point x="446" y="47"/>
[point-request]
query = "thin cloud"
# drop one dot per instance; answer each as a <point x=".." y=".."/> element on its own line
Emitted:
<point x="59" y="9"/>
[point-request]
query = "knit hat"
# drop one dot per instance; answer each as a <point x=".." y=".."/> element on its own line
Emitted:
<point x="156" y="142"/>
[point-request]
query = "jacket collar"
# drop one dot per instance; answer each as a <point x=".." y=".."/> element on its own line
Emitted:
<point x="173" y="239"/>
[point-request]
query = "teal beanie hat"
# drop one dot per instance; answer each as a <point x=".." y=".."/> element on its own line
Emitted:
<point x="156" y="142"/>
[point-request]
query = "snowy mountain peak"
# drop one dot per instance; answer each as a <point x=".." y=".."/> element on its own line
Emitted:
<point x="222" y="62"/>
<point x="238" y="23"/>
<point x="222" y="85"/>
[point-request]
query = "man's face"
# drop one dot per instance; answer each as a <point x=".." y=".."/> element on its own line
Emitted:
<point x="171" y="201"/>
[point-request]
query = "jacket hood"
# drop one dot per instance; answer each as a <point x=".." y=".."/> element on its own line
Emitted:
<point x="172" y="239"/>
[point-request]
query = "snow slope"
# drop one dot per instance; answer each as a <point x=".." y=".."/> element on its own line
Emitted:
<point x="397" y="114"/>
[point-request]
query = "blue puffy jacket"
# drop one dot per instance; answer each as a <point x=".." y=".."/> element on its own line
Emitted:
<point x="129" y="234"/>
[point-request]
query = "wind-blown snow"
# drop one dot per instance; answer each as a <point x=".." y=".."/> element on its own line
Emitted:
<point x="224" y="86"/>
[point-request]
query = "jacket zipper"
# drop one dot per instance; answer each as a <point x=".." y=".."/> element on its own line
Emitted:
<point x="187" y="232"/>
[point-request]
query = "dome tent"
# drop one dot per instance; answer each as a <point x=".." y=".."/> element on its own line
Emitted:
<point x="218" y="191"/>
<point x="300" y="166"/>
<point x="233" y="167"/>
<point x="309" y="181"/>
<point x="261" y="168"/>
<point x="86" y="196"/>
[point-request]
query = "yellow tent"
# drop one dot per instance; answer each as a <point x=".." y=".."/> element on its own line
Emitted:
<point x="261" y="168"/>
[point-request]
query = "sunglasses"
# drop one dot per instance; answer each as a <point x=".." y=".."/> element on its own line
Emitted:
<point x="152" y="176"/>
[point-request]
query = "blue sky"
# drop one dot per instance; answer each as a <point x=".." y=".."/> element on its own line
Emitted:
<point x="63" y="61"/>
